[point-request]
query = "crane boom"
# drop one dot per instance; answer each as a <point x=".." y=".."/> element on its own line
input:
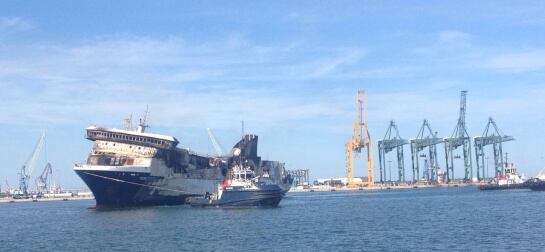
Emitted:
<point x="215" y="143"/>
<point x="27" y="168"/>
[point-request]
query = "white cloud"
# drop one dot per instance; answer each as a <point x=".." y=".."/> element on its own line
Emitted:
<point x="329" y="65"/>
<point x="528" y="61"/>
<point x="186" y="84"/>
<point x="15" y="23"/>
<point x="453" y="36"/>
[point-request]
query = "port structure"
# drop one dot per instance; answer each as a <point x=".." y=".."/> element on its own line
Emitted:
<point x="26" y="169"/>
<point x="300" y="177"/>
<point x="359" y="140"/>
<point x="459" y="138"/>
<point x="392" y="140"/>
<point x="426" y="138"/>
<point x="491" y="136"/>
<point x="43" y="181"/>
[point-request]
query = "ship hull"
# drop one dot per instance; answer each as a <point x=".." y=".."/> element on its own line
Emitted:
<point x="269" y="197"/>
<point x="536" y="184"/>
<point x="124" y="189"/>
<point x="501" y="187"/>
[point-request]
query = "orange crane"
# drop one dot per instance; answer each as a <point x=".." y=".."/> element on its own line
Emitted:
<point x="360" y="140"/>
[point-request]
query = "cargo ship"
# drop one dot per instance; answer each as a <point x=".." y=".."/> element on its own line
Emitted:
<point x="131" y="167"/>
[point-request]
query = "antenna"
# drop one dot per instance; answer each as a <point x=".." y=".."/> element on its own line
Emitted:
<point x="143" y="122"/>
<point x="242" y="129"/>
<point x="146" y="114"/>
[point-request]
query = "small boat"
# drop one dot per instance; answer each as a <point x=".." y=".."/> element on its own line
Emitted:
<point x="511" y="180"/>
<point x="242" y="190"/>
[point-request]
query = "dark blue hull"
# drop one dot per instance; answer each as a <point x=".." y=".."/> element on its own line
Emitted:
<point x="269" y="197"/>
<point x="501" y="187"/>
<point x="123" y="189"/>
<point x="536" y="184"/>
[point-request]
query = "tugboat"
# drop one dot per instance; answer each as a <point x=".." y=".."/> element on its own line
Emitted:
<point x="242" y="189"/>
<point x="511" y="180"/>
<point x="537" y="183"/>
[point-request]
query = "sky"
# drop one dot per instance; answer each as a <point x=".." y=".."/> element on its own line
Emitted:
<point x="289" y="69"/>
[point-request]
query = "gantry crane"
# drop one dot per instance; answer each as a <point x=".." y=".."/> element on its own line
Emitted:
<point x="459" y="138"/>
<point x="426" y="138"/>
<point x="27" y="168"/>
<point x="360" y="140"/>
<point x="495" y="138"/>
<point x="392" y="141"/>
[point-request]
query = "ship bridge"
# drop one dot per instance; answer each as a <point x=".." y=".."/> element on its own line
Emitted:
<point x="131" y="137"/>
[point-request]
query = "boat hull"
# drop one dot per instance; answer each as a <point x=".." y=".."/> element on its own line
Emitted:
<point x="123" y="189"/>
<point x="536" y="184"/>
<point x="502" y="187"/>
<point x="270" y="197"/>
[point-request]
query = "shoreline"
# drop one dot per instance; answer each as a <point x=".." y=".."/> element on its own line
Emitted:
<point x="380" y="187"/>
<point x="11" y="200"/>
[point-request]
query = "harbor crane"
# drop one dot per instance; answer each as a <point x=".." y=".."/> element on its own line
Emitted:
<point x="459" y="138"/>
<point x="359" y="140"/>
<point x="43" y="181"/>
<point x="422" y="141"/>
<point x="26" y="170"/>
<point x="392" y="141"/>
<point x="491" y="136"/>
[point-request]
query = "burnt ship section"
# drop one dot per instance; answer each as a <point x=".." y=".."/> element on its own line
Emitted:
<point x="132" y="168"/>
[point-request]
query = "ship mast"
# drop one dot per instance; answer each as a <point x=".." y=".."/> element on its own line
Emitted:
<point x="142" y="125"/>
